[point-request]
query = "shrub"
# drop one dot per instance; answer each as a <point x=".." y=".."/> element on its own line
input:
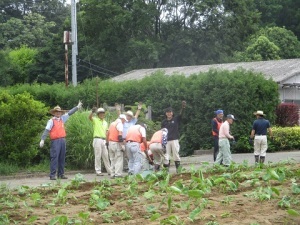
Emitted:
<point x="21" y="124"/>
<point x="287" y="114"/>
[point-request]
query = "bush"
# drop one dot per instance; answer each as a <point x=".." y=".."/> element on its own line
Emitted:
<point x="21" y="124"/>
<point x="285" y="138"/>
<point x="287" y="114"/>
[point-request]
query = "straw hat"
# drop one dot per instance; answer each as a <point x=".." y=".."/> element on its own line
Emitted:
<point x="259" y="112"/>
<point x="56" y="109"/>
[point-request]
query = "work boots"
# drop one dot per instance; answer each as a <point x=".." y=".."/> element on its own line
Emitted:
<point x="256" y="158"/>
<point x="166" y="166"/>
<point x="156" y="167"/>
<point x="177" y="165"/>
<point x="262" y="159"/>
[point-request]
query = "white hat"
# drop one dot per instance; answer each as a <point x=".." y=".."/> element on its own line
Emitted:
<point x="259" y="112"/>
<point x="122" y="116"/>
<point x="100" y="110"/>
<point x="129" y="113"/>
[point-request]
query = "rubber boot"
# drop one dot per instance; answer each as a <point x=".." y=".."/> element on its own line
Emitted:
<point x="177" y="164"/>
<point x="166" y="166"/>
<point x="262" y="159"/>
<point x="256" y="158"/>
<point x="156" y="167"/>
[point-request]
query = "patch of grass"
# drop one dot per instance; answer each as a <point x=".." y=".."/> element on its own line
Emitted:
<point x="43" y="166"/>
<point x="8" y="169"/>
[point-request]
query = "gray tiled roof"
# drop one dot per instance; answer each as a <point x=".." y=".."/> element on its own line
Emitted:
<point x="278" y="70"/>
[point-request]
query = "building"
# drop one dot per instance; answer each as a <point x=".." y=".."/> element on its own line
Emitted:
<point x="286" y="73"/>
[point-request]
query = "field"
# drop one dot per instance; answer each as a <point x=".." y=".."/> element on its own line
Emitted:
<point x="239" y="194"/>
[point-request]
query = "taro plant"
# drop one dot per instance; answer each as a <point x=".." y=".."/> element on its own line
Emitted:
<point x="36" y="198"/>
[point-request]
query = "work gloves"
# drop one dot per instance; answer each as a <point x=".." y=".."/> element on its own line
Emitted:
<point x="139" y="107"/>
<point x="250" y="141"/>
<point x="42" y="142"/>
<point x="94" y="109"/>
<point x="79" y="105"/>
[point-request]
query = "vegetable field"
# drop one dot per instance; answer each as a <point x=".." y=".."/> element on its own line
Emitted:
<point x="239" y="194"/>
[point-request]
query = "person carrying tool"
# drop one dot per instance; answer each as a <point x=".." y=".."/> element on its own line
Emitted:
<point x="114" y="140"/>
<point x="224" y="155"/>
<point x="99" y="142"/>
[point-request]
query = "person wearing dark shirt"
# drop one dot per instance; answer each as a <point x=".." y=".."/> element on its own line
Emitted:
<point x="172" y="124"/>
<point x="259" y="132"/>
<point x="216" y="124"/>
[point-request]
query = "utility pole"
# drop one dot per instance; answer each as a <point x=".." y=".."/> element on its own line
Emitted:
<point x="74" y="41"/>
<point x="66" y="42"/>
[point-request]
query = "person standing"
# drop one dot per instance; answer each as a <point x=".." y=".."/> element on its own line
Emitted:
<point x="114" y="142"/>
<point x="99" y="142"/>
<point x="216" y="124"/>
<point x="259" y="132"/>
<point x="172" y="124"/>
<point x="135" y="136"/>
<point x="224" y="155"/>
<point x="157" y="146"/>
<point x="56" y="128"/>
<point x="131" y="120"/>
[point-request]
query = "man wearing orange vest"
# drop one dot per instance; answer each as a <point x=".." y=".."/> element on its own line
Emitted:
<point x="135" y="136"/>
<point x="56" y="128"/>
<point x="216" y="124"/>
<point x="157" y="146"/>
<point x="115" y="140"/>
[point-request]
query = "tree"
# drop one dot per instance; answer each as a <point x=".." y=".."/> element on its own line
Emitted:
<point x="22" y="60"/>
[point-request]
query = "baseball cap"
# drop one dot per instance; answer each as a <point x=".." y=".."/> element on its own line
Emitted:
<point x="219" y="111"/>
<point x="230" y="116"/>
<point x="100" y="110"/>
<point x="122" y="116"/>
<point x="169" y="109"/>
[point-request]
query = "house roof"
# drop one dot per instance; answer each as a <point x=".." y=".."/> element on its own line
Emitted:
<point x="278" y="70"/>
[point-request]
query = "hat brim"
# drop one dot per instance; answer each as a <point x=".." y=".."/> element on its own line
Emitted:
<point x="52" y="111"/>
<point x="128" y="114"/>
<point x="260" y="114"/>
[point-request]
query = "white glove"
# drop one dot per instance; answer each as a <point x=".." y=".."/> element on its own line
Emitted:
<point x="118" y="107"/>
<point x="79" y="105"/>
<point x="42" y="142"/>
<point x="140" y="106"/>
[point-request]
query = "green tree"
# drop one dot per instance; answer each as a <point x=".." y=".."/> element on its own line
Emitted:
<point x="22" y="60"/>
<point x="5" y="78"/>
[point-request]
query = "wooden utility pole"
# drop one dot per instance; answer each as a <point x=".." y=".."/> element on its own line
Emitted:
<point x="66" y="42"/>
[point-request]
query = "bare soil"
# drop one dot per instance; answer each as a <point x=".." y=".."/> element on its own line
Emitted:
<point x="128" y="205"/>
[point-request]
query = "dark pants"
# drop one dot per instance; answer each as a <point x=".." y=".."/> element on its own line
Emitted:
<point x="57" y="157"/>
<point x="216" y="147"/>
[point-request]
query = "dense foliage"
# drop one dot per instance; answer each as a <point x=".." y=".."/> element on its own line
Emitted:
<point x="287" y="114"/>
<point x="21" y="119"/>
<point x="116" y="36"/>
<point x="239" y="92"/>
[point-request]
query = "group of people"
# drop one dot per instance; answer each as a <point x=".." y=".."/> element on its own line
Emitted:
<point x="117" y="144"/>
<point x="221" y="135"/>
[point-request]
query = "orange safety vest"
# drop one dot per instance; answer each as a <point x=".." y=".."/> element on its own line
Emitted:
<point x="58" y="129"/>
<point x="134" y="134"/>
<point x="157" y="137"/>
<point x="113" y="132"/>
<point x="218" y="127"/>
<point x="142" y="146"/>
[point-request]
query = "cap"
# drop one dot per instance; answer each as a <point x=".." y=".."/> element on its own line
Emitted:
<point x="169" y="109"/>
<point x="219" y="111"/>
<point x="144" y="125"/>
<point x="230" y="116"/>
<point x="122" y="116"/>
<point x="100" y="110"/>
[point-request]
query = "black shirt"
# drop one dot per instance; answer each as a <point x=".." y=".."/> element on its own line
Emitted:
<point x="173" y="127"/>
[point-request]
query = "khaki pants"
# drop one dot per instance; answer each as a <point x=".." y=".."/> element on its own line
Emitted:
<point x="224" y="154"/>
<point x="101" y="152"/>
<point x="158" y="155"/>
<point x="173" y="148"/>
<point x="116" y="158"/>
<point x="260" y="145"/>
